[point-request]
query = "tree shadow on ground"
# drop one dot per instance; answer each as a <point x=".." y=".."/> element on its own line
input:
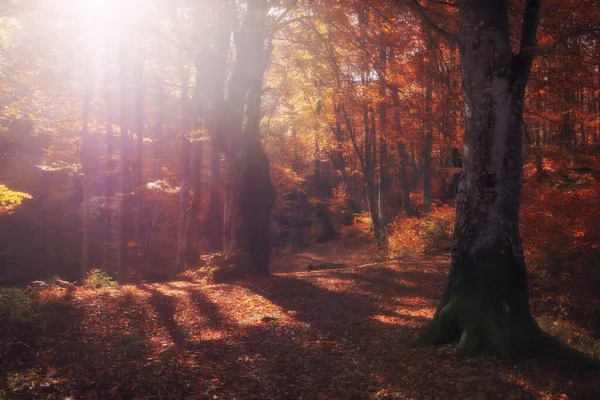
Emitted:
<point x="336" y="334"/>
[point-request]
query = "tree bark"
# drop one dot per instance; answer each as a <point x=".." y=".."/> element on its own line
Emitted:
<point x="384" y="178"/>
<point x="192" y="226"/>
<point x="139" y="157"/>
<point x="327" y="230"/>
<point x="250" y="195"/>
<point x="156" y="205"/>
<point x="109" y="182"/>
<point x="428" y="123"/>
<point x="402" y="156"/>
<point x="125" y="154"/>
<point x="87" y="180"/>
<point x="216" y="70"/>
<point x="486" y="302"/>
<point x="185" y="154"/>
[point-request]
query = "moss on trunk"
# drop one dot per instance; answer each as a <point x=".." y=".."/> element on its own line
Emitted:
<point x="486" y="306"/>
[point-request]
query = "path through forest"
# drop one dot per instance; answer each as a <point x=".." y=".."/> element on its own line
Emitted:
<point x="304" y="335"/>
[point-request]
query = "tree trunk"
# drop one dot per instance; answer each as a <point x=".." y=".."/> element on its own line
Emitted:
<point x="402" y="156"/>
<point x="185" y="151"/>
<point x="384" y="178"/>
<point x="371" y="189"/>
<point x="250" y="195"/>
<point x="250" y="198"/>
<point x="108" y="188"/>
<point x="125" y="155"/>
<point x="215" y="201"/>
<point x="428" y="123"/>
<point x="327" y="230"/>
<point x="87" y="181"/>
<point x="156" y="205"/>
<point x="139" y="130"/>
<point x="216" y="70"/>
<point x="486" y="302"/>
<point x="192" y="227"/>
<point x="184" y="205"/>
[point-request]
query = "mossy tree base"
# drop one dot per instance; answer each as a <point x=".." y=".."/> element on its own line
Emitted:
<point x="483" y="331"/>
<point x="486" y="306"/>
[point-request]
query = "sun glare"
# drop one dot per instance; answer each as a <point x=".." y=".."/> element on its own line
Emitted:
<point x="98" y="20"/>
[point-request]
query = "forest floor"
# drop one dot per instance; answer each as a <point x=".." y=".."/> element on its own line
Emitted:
<point x="333" y="334"/>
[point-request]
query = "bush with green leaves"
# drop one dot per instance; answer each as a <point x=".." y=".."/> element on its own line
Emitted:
<point x="17" y="314"/>
<point x="97" y="279"/>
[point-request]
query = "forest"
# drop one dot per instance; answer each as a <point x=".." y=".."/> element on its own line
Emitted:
<point x="299" y="199"/>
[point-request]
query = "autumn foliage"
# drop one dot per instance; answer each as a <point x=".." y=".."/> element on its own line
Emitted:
<point x="170" y="169"/>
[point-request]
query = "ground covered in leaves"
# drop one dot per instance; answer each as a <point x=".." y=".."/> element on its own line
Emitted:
<point x="294" y="335"/>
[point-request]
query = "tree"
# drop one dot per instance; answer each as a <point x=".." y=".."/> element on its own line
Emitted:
<point x="249" y="194"/>
<point x="486" y="302"/>
<point x="125" y="164"/>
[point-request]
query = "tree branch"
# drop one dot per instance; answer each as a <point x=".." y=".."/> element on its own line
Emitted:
<point x="531" y="19"/>
<point x="422" y="13"/>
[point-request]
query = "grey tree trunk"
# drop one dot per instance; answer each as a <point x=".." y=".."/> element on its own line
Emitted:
<point x="486" y="303"/>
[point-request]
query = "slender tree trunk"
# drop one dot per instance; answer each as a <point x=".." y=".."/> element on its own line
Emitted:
<point x="215" y="200"/>
<point x="384" y="178"/>
<point x="184" y="205"/>
<point x="486" y="302"/>
<point x="125" y="154"/>
<point x="371" y="189"/>
<point x="415" y="169"/>
<point x="216" y="72"/>
<point x="185" y="151"/>
<point x="402" y="156"/>
<point x="139" y="156"/>
<point x="428" y="144"/>
<point x="156" y="204"/>
<point x="192" y="227"/>
<point x="87" y="180"/>
<point x="109" y="173"/>
<point x="327" y="231"/>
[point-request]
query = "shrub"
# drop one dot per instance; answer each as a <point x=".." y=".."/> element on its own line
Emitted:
<point x="360" y="229"/>
<point x="431" y="233"/>
<point x="16" y="315"/>
<point x="97" y="279"/>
